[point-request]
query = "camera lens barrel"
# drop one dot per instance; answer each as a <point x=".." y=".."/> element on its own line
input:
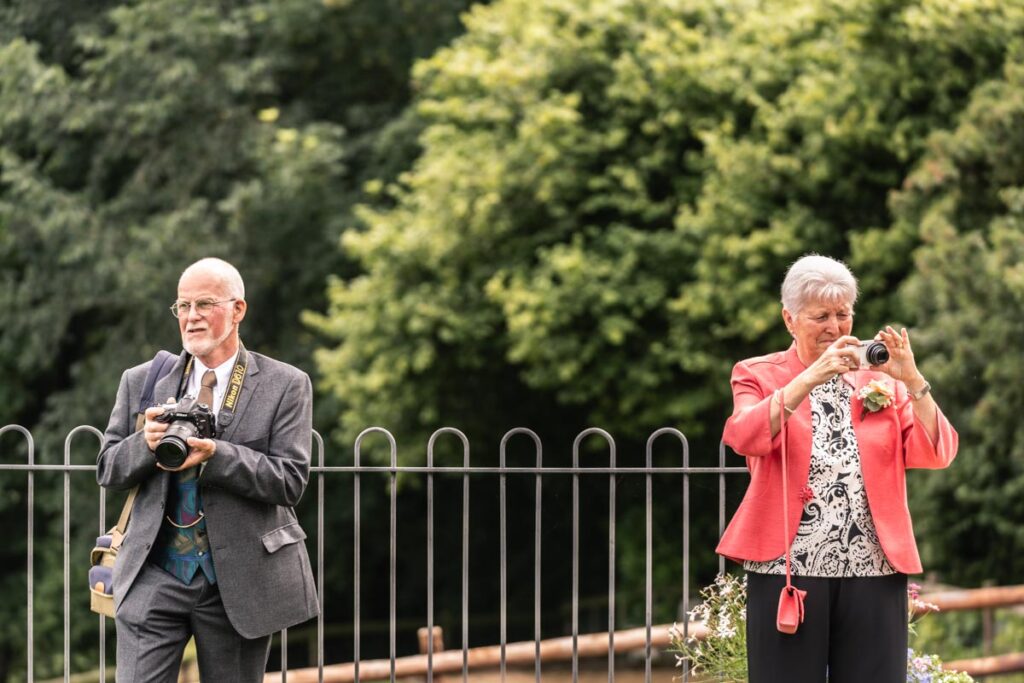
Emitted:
<point x="876" y="353"/>
<point x="173" y="447"/>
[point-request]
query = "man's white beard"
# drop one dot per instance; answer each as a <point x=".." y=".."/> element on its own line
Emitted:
<point x="204" y="348"/>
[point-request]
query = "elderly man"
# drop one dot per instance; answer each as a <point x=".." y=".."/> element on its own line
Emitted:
<point x="213" y="548"/>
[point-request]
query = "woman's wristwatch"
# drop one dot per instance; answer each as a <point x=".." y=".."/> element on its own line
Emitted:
<point x="920" y="393"/>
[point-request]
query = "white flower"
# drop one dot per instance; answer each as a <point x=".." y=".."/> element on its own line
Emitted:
<point x="725" y="630"/>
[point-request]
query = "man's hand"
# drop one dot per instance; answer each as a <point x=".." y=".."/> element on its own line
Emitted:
<point x="154" y="431"/>
<point x="200" y="450"/>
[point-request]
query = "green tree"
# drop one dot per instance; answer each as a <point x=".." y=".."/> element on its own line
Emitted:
<point x="967" y="294"/>
<point x="610" y="192"/>
<point x="136" y="137"/>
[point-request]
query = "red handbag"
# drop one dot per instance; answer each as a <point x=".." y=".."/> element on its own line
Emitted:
<point x="791" y="600"/>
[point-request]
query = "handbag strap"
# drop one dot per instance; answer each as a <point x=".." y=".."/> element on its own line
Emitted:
<point x="117" y="533"/>
<point x="779" y="396"/>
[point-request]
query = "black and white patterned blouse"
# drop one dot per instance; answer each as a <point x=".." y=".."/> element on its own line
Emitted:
<point x="837" y="536"/>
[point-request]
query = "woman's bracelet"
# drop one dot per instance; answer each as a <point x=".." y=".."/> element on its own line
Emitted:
<point x="920" y="393"/>
<point x="788" y="410"/>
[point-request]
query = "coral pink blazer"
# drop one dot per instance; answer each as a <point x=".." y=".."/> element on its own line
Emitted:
<point x="890" y="441"/>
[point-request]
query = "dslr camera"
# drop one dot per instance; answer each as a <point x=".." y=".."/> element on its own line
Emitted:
<point x="186" y="418"/>
<point x="871" y="353"/>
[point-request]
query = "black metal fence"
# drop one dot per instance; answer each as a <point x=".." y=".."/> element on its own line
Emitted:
<point x="356" y="472"/>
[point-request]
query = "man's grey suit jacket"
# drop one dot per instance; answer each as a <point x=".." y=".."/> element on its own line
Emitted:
<point x="249" y="488"/>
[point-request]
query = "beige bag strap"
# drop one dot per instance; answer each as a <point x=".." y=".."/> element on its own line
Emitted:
<point x="117" y="533"/>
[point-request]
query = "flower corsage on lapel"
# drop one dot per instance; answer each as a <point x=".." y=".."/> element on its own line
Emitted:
<point x="875" y="395"/>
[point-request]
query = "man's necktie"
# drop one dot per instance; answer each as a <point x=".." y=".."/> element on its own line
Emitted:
<point x="206" y="390"/>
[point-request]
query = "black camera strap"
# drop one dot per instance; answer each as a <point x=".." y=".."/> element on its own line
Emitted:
<point x="230" y="401"/>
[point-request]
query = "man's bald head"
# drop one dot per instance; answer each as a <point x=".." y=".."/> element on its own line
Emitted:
<point x="227" y="274"/>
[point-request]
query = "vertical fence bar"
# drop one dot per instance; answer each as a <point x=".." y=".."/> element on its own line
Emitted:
<point x="30" y="543"/>
<point x="721" y="502"/>
<point x="319" y="556"/>
<point x="465" y="569"/>
<point x="536" y="538"/>
<point x="67" y="541"/>
<point x="103" y="618"/>
<point x="575" y="552"/>
<point x="355" y="553"/>
<point x="537" y="560"/>
<point x="355" y="568"/>
<point x="537" y="553"/>
<point x="430" y="537"/>
<point x="575" y="561"/>
<point x="611" y="567"/>
<point x="430" y="562"/>
<point x="686" y="556"/>
<point x="66" y="529"/>
<point x="504" y="573"/>
<point x="648" y="561"/>
<point x="648" y="590"/>
<point x="284" y="655"/>
<point x="393" y="580"/>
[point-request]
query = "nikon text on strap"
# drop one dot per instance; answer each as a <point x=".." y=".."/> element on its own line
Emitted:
<point x="230" y="401"/>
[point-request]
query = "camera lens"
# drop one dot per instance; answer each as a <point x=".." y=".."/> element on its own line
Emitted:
<point x="173" y="447"/>
<point x="876" y="353"/>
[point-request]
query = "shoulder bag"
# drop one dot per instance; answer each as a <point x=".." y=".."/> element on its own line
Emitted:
<point x="103" y="556"/>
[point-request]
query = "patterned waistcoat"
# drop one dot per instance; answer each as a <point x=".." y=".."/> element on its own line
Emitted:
<point x="182" y="547"/>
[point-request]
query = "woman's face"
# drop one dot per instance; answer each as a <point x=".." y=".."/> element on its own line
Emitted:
<point x="817" y="325"/>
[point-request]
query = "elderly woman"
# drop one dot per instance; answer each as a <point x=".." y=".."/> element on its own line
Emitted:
<point x="852" y="431"/>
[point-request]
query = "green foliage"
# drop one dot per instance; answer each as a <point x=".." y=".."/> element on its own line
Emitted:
<point x="960" y="635"/>
<point x="136" y="137"/>
<point x="610" y="191"/>
<point x="722" y="612"/>
<point x="967" y="292"/>
<point x="604" y="197"/>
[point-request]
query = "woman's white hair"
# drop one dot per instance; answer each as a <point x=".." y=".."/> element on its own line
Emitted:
<point x="818" y="278"/>
<point x="230" y="278"/>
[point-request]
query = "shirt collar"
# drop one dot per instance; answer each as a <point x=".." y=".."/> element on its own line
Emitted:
<point x="223" y="371"/>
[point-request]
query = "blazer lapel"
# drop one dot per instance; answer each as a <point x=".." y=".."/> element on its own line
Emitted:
<point x="229" y="425"/>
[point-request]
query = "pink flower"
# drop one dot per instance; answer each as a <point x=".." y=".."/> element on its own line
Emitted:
<point x="806" y="494"/>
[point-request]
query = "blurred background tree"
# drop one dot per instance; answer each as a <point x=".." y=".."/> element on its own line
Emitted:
<point x="553" y="214"/>
<point x="608" y="197"/>
<point x="136" y="137"/>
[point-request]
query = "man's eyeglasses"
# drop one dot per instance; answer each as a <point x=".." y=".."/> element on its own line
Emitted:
<point x="180" y="309"/>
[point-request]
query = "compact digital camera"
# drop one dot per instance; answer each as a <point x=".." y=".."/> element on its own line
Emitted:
<point x="186" y="418"/>
<point x="871" y="353"/>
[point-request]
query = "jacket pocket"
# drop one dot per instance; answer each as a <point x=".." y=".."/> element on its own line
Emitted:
<point x="282" y="536"/>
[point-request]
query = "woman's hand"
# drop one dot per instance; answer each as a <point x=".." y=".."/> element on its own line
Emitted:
<point x="901" y="364"/>
<point x="839" y="357"/>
